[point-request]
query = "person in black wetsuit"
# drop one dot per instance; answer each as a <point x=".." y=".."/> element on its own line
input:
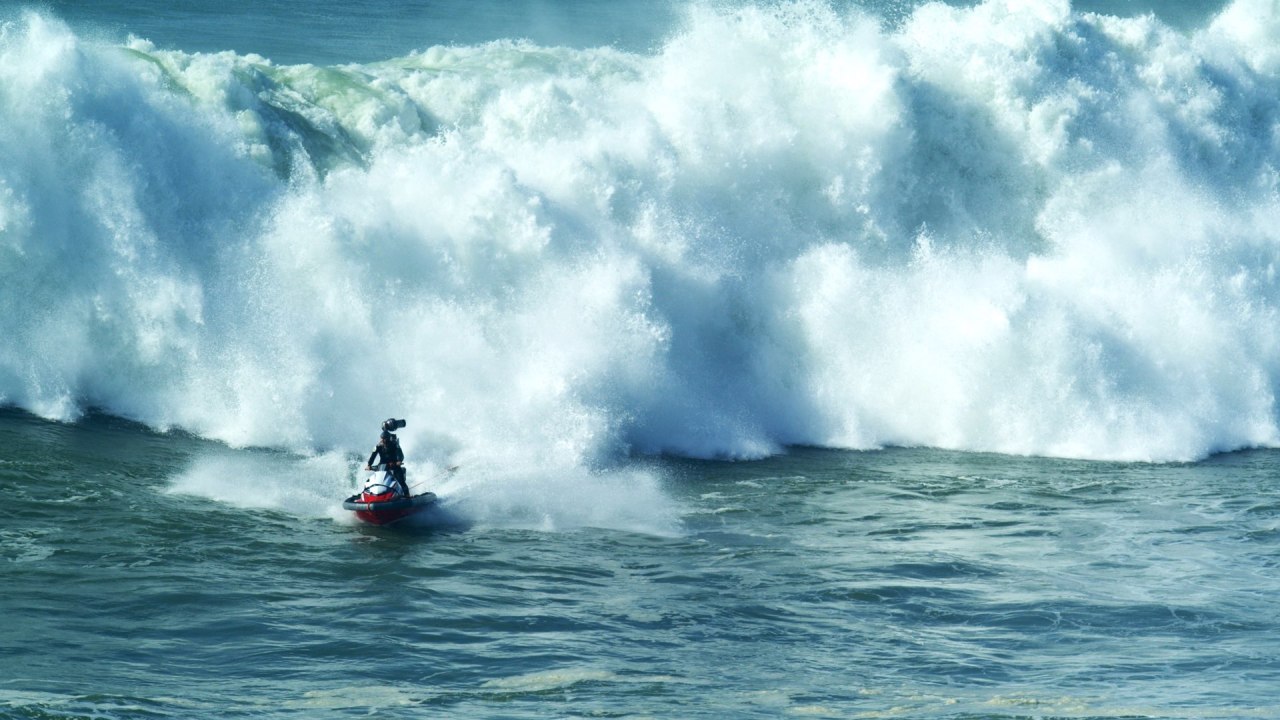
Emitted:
<point x="388" y="452"/>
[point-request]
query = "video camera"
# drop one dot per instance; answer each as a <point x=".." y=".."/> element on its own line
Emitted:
<point x="392" y="424"/>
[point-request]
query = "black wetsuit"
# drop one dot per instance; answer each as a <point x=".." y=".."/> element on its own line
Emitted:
<point x="391" y="453"/>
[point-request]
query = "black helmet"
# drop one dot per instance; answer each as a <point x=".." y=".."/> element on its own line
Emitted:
<point x="392" y="424"/>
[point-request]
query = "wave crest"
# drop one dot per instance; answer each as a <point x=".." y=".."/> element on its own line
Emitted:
<point x="1009" y="227"/>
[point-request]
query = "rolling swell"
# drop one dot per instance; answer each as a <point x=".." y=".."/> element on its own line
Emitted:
<point x="1010" y="227"/>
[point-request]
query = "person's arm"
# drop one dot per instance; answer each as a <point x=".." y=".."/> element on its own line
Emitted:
<point x="368" y="464"/>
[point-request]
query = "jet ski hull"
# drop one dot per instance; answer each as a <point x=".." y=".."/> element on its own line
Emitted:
<point x="386" y="508"/>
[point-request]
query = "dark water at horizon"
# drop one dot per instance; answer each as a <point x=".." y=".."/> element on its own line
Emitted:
<point x="373" y="30"/>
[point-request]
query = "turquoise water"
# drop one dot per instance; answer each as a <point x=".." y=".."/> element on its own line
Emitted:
<point x="799" y="359"/>
<point x="371" y="30"/>
<point x="895" y="583"/>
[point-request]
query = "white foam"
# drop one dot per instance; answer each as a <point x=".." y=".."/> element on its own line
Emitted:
<point x="560" y="500"/>
<point x="305" y="487"/>
<point x="1008" y="227"/>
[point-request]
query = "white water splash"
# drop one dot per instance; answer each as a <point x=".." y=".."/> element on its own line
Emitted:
<point x="1008" y="227"/>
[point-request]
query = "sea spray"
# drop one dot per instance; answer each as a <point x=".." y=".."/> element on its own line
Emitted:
<point x="1008" y="227"/>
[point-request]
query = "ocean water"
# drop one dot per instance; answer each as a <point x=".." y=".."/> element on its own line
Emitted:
<point x="799" y="359"/>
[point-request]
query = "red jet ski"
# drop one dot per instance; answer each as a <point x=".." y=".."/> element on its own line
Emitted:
<point x="382" y="503"/>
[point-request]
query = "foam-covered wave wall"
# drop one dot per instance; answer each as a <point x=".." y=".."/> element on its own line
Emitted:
<point x="1009" y="227"/>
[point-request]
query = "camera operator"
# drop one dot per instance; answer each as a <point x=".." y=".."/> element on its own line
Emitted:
<point x="388" y="452"/>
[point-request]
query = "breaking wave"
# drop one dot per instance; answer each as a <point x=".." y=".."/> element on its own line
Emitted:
<point x="1009" y="227"/>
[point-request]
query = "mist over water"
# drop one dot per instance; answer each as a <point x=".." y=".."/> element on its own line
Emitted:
<point x="1011" y="227"/>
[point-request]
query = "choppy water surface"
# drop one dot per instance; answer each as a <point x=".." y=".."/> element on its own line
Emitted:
<point x="898" y="583"/>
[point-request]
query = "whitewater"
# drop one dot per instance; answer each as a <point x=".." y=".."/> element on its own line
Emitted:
<point x="1011" y="227"/>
